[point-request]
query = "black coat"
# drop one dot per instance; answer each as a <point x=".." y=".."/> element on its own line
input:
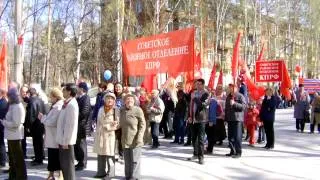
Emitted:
<point x="268" y="109"/>
<point x="168" y="103"/>
<point x="236" y="111"/>
<point x="3" y="111"/>
<point x="84" y="113"/>
<point x="32" y="124"/>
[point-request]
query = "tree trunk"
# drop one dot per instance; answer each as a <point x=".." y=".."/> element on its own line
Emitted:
<point x="18" y="59"/>
<point x="46" y="74"/>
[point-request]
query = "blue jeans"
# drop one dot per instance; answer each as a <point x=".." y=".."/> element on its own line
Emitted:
<point x="155" y="133"/>
<point x="198" y="133"/>
<point x="179" y="129"/>
<point x="235" y="137"/>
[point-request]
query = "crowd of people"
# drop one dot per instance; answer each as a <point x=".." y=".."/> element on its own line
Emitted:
<point x="124" y="121"/>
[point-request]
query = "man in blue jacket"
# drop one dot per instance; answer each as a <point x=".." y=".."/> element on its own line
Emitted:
<point x="234" y="115"/>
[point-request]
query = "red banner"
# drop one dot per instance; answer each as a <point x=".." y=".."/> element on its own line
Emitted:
<point x="171" y="53"/>
<point x="269" y="71"/>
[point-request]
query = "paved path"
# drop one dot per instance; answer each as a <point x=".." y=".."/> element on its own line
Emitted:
<point x="296" y="156"/>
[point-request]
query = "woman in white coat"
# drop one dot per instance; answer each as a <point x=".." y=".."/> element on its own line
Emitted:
<point x="104" y="142"/>
<point x="50" y="122"/>
<point x="14" y="132"/>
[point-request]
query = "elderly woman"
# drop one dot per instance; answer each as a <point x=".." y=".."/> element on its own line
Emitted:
<point x="104" y="143"/>
<point x="155" y="110"/>
<point x="315" y="120"/>
<point x="301" y="106"/>
<point x="13" y="132"/>
<point x="50" y="123"/>
<point x="220" y="127"/>
<point x="133" y="126"/>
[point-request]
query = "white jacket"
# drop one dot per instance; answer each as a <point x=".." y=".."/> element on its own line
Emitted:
<point x="13" y="124"/>
<point x="50" y="123"/>
<point x="67" y="125"/>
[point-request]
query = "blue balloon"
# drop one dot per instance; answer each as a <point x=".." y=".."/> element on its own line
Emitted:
<point x="107" y="74"/>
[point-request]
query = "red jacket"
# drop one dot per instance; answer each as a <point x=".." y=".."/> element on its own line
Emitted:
<point x="252" y="117"/>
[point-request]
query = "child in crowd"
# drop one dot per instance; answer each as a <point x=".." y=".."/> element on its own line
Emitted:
<point x="251" y="122"/>
<point x="261" y="132"/>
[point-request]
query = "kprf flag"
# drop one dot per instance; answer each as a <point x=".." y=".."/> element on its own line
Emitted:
<point x="3" y="65"/>
<point x="235" y="57"/>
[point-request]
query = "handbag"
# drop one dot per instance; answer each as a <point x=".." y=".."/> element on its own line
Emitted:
<point x="316" y="110"/>
<point x="306" y="116"/>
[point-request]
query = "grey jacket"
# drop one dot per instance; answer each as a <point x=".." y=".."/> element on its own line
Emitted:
<point x="155" y="110"/>
<point x="133" y="125"/>
<point x="301" y="104"/>
<point x="235" y="112"/>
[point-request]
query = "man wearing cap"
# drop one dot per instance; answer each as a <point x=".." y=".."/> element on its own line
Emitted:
<point x="234" y="115"/>
<point x="80" y="149"/>
<point x="133" y="126"/>
<point x="33" y="123"/>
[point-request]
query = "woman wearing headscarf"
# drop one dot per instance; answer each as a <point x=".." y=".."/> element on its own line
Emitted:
<point x="105" y="139"/>
<point x="14" y="132"/>
<point x="301" y="107"/>
<point x="220" y="133"/>
<point x="50" y="123"/>
<point x="133" y="127"/>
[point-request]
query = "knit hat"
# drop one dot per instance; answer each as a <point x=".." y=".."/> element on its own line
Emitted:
<point x="129" y="95"/>
<point x="109" y="94"/>
<point x="13" y="95"/>
<point x="84" y="86"/>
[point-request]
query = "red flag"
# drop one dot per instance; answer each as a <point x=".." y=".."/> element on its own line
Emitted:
<point x="261" y="53"/>
<point x="20" y="39"/>
<point x="255" y="92"/>
<point x="244" y="68"/>
<point x="212" y="78"/>
<point x="197" y="64"/>
<point x="150" y="82"/>
<point x="286" y="83"/>
<point x="190" y="75"/>
<point x="235" y="57"/>
<point x="197" y="67"/>
<point x="195" y="73"/>
<point x="220" y="80"/>
<point x="3" y="65"/>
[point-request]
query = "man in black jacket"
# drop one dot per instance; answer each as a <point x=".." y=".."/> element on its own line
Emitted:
<point x="169" y="107"/>
<point x="234" y="115"/>
<point x="80" y="149"/>
<point x="3" y="111"/>
<point x="24" y="94"/>
<point x="34" y="107"/>
<point x="198" y="117"/>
